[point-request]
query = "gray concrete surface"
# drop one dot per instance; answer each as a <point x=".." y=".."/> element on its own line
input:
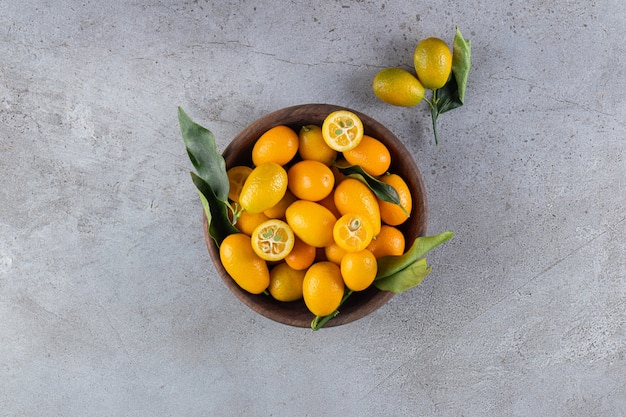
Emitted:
<point x="110" y="306"/>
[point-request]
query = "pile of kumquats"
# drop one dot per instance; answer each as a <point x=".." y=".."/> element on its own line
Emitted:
<point x="315" y="216"/>
<point x="308" y="231"/>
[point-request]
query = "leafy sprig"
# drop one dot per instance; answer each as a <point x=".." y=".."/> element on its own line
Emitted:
<point x="448" y="97"/>
<point x="452" y="94"/>
<point x="210" y="178"/>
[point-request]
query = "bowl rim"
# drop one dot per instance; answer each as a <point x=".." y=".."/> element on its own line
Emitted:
<point x="359" y="304"/>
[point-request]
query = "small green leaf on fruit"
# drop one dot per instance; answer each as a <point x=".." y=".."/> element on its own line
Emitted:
<point x="398" y="273"/>
<point x="406" y="278"/>
<point x="452" y="95"/>
<point x="382" y="190"/>
<point x="215" y="209"/>
<point x="204" y="155"/>
<point x="461" y="62"/>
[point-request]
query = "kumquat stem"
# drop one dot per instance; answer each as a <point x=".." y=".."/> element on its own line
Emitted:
<point x="319" y="321"/>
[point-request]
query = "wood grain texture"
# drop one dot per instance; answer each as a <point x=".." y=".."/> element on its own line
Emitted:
<point x="360" y="304"/>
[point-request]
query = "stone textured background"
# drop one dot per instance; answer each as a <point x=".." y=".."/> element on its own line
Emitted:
<point x="109" y="303"/>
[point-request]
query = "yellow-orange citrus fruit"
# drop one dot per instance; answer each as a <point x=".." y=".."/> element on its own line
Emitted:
<point x="272" y="240"/>
<point x="247" y="222"/>
<point x="352" y="195"/>
<point x="310" y="180"/>
<point x="334" y="253"/>
<point x="398" y="87"/>
<point x="311" y="222"/>
<point x="342" y="130"/>
<point x="236" y="178"/>
<point x="301" y="256"/>
<point x="323" y="288"/>
<point x="391" y="213"/>
<point x="286" y="283"/>
<point x="352" y="232"/>
<point x="248" y="270"/>
<point x="433" y="62"/>
<point x="329" y="203"/>
<point x="358" y="269"/>
<point x="264" y="188"/>
<point x="278" y="211"/>
<point x="390" y="241"/>
<point x="312" y="145"/>
<point x="371" y="154"/>
<point x="279" y="145"/>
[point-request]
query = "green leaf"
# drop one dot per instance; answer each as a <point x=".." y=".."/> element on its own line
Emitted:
<point x="452" y="94"/>
<point x="204" y="155"/>
<point x="211" y="179"/>
<point x="216" y="211"/>
<point x="399" y="273"/>
<point x="448" y="97"/>
<point x="390" y="265"/>
<point x="461" y="62"/>
<point x="406" y="278"/>
<point x="383" y="191"/>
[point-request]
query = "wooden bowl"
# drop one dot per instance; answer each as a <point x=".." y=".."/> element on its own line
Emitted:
<point x="359" y="304"/>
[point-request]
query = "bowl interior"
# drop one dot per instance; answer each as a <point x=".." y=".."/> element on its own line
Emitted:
<point x="360" y="304"/>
